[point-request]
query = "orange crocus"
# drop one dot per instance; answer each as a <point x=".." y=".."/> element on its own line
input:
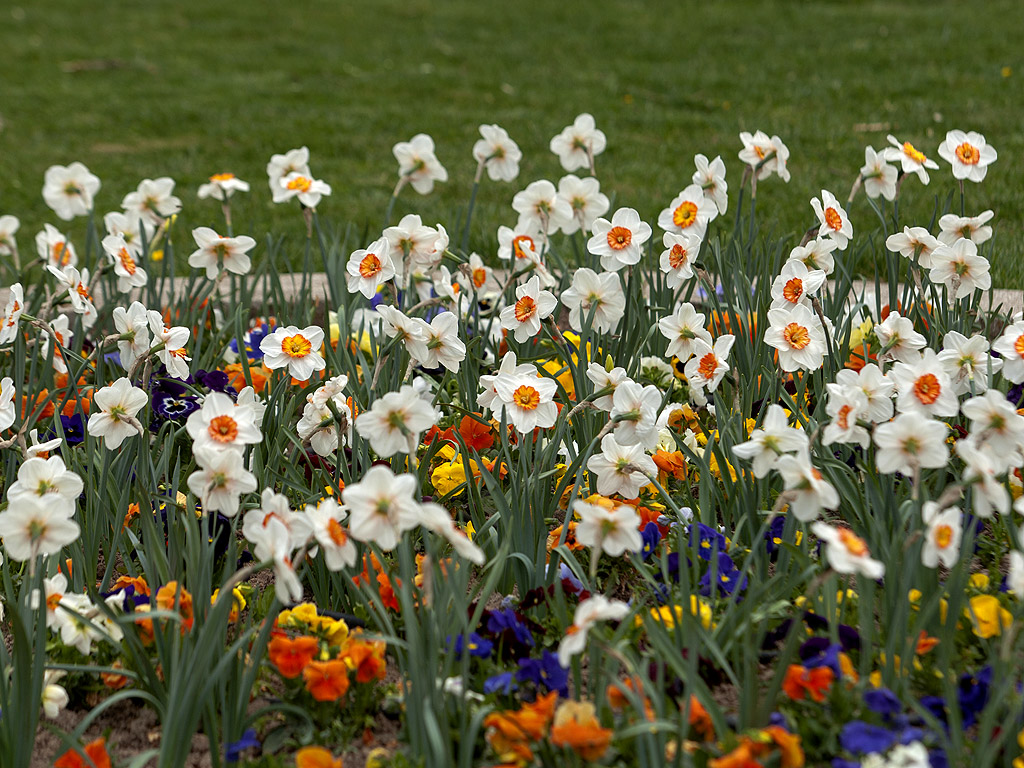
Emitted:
<point x="316" y="757"/>
<point x="95" y="756"/>
<point x="326" y="680"/>
<point x="291" y="656"/>
<point x="801" y="682"/>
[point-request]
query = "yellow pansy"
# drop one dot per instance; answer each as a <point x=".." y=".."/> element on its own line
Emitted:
<point x="987" y="615"/>
<point x="979" y="580"/>
<point x="447" y="477"/>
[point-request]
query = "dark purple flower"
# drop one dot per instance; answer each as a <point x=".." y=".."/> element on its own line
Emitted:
<point x="818" y="652"/>
<point x="506" y="620"/>
<point x="74" y="428"/>
<point x="168" y="407"/>
<point x="972" y="695"/>
<point x="215" y="381"/>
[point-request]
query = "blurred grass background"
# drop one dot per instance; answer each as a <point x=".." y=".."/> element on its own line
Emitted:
<point x="190" y="88"/>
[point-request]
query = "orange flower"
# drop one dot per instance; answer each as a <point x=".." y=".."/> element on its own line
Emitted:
<point x="741" y="757"/>
<point x="788" y="744"/>
<point x="168" y="595"/>
<point x="700" y="720"/>
<point x="510" y="733"/>
<point x="96" y="756"/>
<point x="570" y="539"/>
<point x="291" y="656"/>
<point x="316" y="757"/>
<point x="506" y="738"/>
<point x="801" y="682"/>
<point x="925" y="643"/>
<point x="384" y="588"/>
<point x="576" y="727"/>
<point x="673" y="463"/>
<point x="476" y="434"/>
<point x="28" y="408"/>
<point x="618" y="700"/>
<point x="367" y="658"/>
<point x="259" y="374"/>
<point x="137" y="582"/>
<point x="113" y="680"/>
<point x="131" y="514"/>
<point x="326" y="680"/>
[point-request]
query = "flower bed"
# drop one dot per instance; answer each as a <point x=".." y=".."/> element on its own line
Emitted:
<point x="629" y="499"/>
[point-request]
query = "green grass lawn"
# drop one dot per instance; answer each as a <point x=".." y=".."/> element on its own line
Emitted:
<point x="192" y="87"/>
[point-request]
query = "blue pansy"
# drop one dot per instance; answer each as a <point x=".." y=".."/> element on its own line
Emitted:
<point x="883" y="701"/>
<point x="650" y="536"/>
<point x="545" y="671"/>
<point x="234" y="750"/>
<point x="500" y="683"/>
<point x="863" y="738"/>
<point x="707" y="540"/>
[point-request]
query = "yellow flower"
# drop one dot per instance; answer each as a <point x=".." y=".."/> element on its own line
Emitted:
<point x="156" y="254"/>
<point x="979" y="580"/>
<point x="238" y="602"/>
<point x="304" y="613"/>
<point x="858" y="334"/>
<point x="701" y="609"/>
<point x="713" y="466"/>
<point x="561" y="373"/>
<point x="447" y="477"/>
<point x="666" y="614"/>
<point x="987" y="616"/>
<point x="470" y="530"/>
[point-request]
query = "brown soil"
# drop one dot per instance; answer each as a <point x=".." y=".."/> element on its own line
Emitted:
<point x="134" y="729"/>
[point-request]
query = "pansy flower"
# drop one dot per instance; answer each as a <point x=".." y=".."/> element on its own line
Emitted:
<point x="545" y="671"/>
